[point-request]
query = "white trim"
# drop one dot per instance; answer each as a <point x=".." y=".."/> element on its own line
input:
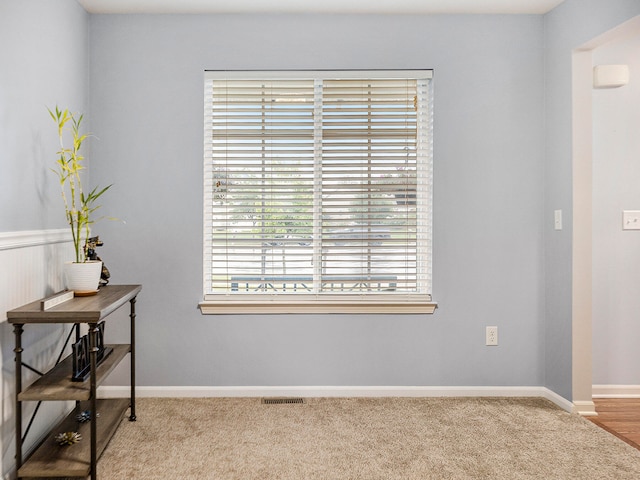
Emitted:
<point x="582" y="239"/>
<point x="584" y="408"/>
<point x="561" y="402"/>
<point x="335" y="391"/>
<point x="316" y="74"/>
<point x="329" y="305"/>
<point x="616" y="391"/>
<point x="33" y="238"/>
<point x="396" y="7"/>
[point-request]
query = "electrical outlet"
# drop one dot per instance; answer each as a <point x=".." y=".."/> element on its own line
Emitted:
<point x="492" y="336"/>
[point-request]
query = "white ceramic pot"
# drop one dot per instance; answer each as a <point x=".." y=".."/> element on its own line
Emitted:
<point x="83" y="278"/>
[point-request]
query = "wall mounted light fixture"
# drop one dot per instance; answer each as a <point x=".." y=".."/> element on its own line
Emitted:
<point x="610" y="76"/>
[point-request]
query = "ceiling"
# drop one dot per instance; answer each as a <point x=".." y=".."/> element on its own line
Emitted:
<point x="322" y="6"/>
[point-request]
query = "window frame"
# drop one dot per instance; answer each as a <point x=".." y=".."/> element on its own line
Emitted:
<point x="237" y="303"/>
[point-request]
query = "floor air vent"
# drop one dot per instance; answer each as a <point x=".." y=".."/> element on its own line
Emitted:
<point x="281" y="401"/>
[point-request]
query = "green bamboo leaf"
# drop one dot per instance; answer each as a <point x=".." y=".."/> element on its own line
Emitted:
<point x="79" y="206"/>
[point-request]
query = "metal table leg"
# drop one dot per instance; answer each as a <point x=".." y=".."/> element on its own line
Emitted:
<point x="132" y="315"/>
<point x="17" y="328"/>
<point x="93" y="352"/>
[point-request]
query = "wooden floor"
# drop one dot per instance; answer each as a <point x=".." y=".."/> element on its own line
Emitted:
<point x="619" y="416"/>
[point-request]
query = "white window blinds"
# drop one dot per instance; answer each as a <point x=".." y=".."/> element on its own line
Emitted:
<point x="318" y="185"/>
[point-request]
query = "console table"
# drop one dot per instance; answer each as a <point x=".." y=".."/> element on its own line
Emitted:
<point x="79" y="460"/>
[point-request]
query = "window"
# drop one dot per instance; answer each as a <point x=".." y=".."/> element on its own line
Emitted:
<point x="317" y="192"/>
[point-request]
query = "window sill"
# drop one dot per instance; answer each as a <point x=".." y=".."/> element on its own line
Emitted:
<point x="226" y="307"/>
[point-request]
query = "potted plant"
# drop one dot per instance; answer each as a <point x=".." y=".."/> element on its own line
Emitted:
<point x="82" y="275"/>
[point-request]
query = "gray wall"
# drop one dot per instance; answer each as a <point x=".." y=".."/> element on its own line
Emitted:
<point x="44" y="62"/>
<point x="567" y="27"/>
<point x="502" y="165"/>
<point x="147" y="105"/>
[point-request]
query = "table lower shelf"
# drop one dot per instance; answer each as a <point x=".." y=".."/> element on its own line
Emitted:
<point x="57" y="384"/>
<point x="50" y="460"/>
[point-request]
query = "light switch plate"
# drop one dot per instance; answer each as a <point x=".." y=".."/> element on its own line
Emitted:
<point x="631" y="220"/>
<point x="557" y="219"/>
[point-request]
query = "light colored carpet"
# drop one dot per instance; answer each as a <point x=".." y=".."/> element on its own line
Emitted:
<point x="363" y="438"/>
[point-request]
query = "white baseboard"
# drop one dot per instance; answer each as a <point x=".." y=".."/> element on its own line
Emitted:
<point x="615" y="391"/>
<point x="334" y="391"/>
<point x="584" y="408"/>
<point x="561" y="402"/>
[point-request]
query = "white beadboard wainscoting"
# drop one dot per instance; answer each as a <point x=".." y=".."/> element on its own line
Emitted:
<point x="31" y="265"/>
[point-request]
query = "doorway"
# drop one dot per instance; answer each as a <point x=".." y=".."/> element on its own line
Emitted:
<point x="587" y="228"/>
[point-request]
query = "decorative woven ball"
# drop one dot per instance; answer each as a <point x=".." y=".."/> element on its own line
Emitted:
<point x="68" y="438"/>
